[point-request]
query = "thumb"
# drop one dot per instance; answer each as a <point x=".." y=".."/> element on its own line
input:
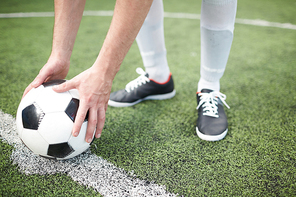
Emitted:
<point x="68" y="85"/>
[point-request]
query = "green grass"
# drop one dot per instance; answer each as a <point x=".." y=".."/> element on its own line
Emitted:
<point x="157" y="139"/>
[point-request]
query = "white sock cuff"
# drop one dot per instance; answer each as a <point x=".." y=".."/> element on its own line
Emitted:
<point x="211" y="85"/>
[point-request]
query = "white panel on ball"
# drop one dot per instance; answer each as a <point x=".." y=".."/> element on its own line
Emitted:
<point x="79" y="141"/>
<point x="30" y="97"/>
<point x="74" y="93"/>
<point x="34" y="141"/>
<point x="19" y="121"/>
<point x="56" y="127"/>
<point x="50" y="101"/>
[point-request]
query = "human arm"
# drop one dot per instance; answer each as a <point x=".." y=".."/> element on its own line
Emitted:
<point x="68" y="14"/>
<point x="94" y="84"/>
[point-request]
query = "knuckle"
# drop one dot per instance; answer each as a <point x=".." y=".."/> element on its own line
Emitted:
<point x="92" y="121"/>
<point x="89" y="99"/>
<point x="80" y="117"/>
<point x="64" y="85"/>
<point x="102" y="118"/>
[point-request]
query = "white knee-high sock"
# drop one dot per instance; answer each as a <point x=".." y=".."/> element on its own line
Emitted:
<point x="151" y="43"/>
<point x="216" y="26"/>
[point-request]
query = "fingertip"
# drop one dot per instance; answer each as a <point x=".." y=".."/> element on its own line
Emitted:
<point x="63" y="87"/>
<point x="24" y="94"/>
<point x="34" y="83"/>
<point x="60" y="88"/>
<point x="98" y="135"/>
<point x="27" y="90"/>
<point x="56" y="88"/>
<point x="89" y="137"/>
<point x="75" y="134"/>
<point x="75" y="131"/>
<point x="37" y="81"/>
<point x="88" y="140"/>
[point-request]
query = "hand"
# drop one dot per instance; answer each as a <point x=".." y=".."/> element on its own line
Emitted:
<point x="53" y="69"/>
<point x="94" y="89"/>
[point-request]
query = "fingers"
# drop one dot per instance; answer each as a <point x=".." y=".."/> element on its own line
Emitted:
<point x="79" y="119"/>
<point x="91" y="126"/>
<point x="96" y="120"/>
<point x="89" y="104"/>
<point x="94" y="95"/>
<point x="82" y="111"/>
<point x="68" y="85"/>
<point x="101" y="121"/>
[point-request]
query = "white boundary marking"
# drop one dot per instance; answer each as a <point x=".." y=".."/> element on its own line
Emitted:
<point x="87" y="169"/>
<point x="256" y="22"/>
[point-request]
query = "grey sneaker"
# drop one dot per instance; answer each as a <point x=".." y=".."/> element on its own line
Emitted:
<point x="212" y="122"/>
<point x="141" y="89"/>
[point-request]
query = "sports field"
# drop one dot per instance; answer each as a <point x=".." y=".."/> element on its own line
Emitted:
<point x="152" y="149"/>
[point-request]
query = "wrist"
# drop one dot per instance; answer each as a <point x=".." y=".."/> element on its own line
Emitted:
<point x="107" y="63"/>
<point x="105" y="70"/>
<point x="59" y="58"/>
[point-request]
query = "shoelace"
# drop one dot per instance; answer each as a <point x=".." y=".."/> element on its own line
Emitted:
<point x="209" y="102"/>
<point x="142" y="79"/>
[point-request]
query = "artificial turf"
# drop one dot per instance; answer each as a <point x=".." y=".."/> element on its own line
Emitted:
<point x="156" y="139"/>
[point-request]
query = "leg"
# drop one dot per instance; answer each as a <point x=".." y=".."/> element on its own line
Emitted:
<point x="156" y="83"/>
<point x="217" y="25"/>
<point x="151" y="43"/>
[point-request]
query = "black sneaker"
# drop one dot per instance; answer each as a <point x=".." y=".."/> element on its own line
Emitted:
<point x="140" y="89"/>
<point x="212" y="121"/>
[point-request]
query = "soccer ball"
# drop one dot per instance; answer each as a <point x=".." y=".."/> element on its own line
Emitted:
<point x="45" y="120"/>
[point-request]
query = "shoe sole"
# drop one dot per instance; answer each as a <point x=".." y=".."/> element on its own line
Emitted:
<point x="152" y="97"/>
<point x="211" y="137"/>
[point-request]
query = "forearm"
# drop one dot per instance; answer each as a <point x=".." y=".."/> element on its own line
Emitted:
<point x="68" y="14"/>
<point x="128" y="18"/>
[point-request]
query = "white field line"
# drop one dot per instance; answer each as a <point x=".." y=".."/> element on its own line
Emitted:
<point x="256" y="22"/>
<point x="87" y="169"/>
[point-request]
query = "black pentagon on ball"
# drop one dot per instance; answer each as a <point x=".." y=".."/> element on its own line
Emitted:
<point x="53" y="82"/>
<point x="72" y="108"/>
<point x="32" y="116"/>
<point x="60" y="150"/>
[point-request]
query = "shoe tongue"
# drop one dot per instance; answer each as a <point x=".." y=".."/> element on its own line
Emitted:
<point x="206" y="91"/>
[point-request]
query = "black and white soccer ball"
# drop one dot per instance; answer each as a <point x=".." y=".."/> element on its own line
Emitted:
<point x="45" y="120"/>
